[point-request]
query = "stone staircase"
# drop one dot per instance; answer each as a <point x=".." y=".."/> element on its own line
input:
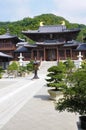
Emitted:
<point x="45" y="65"/>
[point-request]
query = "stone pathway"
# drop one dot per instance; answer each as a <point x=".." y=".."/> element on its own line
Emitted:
<point x="38" y="112"/>
<point x="25" y="105"/>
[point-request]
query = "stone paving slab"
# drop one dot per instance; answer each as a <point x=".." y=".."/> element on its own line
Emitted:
<point x="13" y="98"/>
<point x="39" y="114"/>
<point x="4" y="84"/>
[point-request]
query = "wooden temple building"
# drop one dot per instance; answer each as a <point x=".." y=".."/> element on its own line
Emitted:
<point x="7" y="47"/>
<point x="52" y="42"/>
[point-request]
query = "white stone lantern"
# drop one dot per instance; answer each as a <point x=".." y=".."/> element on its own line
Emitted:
<point x="21" y="59"/>
<point x="79" y="59"/>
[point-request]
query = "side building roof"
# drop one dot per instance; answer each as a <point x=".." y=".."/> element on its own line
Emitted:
<point x="9" y="36"/>
<point x="5" y="55"/>
<point x="21" y="49"/>
<point x="72" y="43"/>
<point x="81" y="47"/>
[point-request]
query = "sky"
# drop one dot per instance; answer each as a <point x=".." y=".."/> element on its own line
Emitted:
<point x="72" y="10"/>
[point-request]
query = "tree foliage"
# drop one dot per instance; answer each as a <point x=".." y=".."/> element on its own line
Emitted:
<point x="29" y="66"/>
<point x="74" y="99"/>
<point x="1" y="72"/>
<point x="56" y="76"/>
<point x="69" y="66"/>
<point x="13" y="66"/>
<point x="33" y="23"/>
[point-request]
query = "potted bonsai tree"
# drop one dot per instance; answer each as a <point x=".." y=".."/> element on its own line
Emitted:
<point x="74" y="96"/>
<point x="56" y="80"/>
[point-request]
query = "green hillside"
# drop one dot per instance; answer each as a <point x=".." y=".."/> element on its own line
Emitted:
<point x="33" y="23"/>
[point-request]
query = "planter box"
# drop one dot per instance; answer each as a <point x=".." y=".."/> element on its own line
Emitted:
<point x="55" y="95"/>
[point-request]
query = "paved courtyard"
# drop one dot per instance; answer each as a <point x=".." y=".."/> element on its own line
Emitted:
<point x="25" y="105"/>
<point x="39" y="114"/>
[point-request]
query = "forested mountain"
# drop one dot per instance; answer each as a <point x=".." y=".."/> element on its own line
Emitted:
<point x="33" y="23"/>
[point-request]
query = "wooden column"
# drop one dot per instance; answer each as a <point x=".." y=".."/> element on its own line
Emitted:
<point x="57" y="54"/>
<point x="37" y="54"/>
<point x="71" y="54"/>
<point x="65" y="54"/>
<point x="58" y="58"/>
<point x="44" y="54"/>
<point x="32" y="54"/>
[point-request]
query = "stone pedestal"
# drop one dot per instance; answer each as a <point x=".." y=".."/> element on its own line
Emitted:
<point x="36" y="67"/>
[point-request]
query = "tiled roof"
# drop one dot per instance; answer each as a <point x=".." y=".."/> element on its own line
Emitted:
<point x="21" y="49"/>
<point x="71" y="43"/>
<point x="51" y="29"/>
<point x="81" y="47"/>
<point x="5" y="55"/>
<point x="25" y="44"/>
<point x="21" y="43"/>
<point x="50" y="42"/>
<point x="7" y="36"/>
<point x="30" y="45"/>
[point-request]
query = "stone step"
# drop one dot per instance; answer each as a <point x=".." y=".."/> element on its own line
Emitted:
<point x="45" y="65"/>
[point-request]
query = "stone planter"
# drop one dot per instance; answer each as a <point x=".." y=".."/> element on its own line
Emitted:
<point x="55" y="95"/>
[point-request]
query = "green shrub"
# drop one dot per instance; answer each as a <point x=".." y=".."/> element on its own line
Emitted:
<point x="29" y="66"/>
<point x="74" y="99"/>
<point x="1" y="72"/>
<point x="56" y="76"/>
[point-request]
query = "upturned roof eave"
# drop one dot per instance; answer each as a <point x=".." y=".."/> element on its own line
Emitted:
<point x="81" y="47"/>
<point x="8" y="36"/>
<point x="49" y="44"/>
<point x="70" y="45"/>
<point x="42" y="32"/>
<point x="5" y="55"/>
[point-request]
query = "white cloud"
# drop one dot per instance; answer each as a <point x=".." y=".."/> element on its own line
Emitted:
<point x="73" y="10"/>
<point x="71" y="5"/>
<point x="14" y="9"/>
<point x="22" y="9"/>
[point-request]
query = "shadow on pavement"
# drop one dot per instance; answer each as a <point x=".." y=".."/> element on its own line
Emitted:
<point x="43" y="97"/>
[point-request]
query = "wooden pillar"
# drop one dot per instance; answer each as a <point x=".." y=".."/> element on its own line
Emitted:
<point x="32" y="54"/>
<point x="65" y="54"/>
<point x="44" y="55"/>
<point x="37" y="54"/>
<point x="57" y="54"/>
<point x="58" y="58"/>
<point x="71" y="54"/>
